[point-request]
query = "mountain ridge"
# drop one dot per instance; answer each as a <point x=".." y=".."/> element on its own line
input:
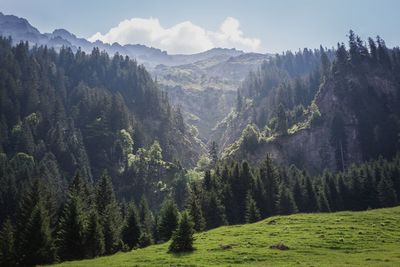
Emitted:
<point x="21" y="30"/>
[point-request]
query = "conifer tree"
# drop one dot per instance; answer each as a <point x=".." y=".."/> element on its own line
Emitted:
<point x="94" y="236"/>
<point x="229" y="204"/>
<point x="298" y="195"/>
<point x="311" y="202"/>
<point x="325" y="63"/>
<point x="169" y="218"/>
<point x="252" y="212"/>
<point x="131" y="232"/>
<point x="387" y="194"/>
<point x="145" y="239"/>
<point x="344" y="193"/>
<point x="213" y="153"/>
<point x="110" y="214"/>
<point x="214" y="211"/>
<point x="373" y="50"/>
<point x="286" y="204"/>
<point x="146" y="218"/>
<point x="241" y="185"/>
<point x="259" y="194"/>
<point x="369" y="195"/>
<point x="182" y="239"/>
<point x="269" y="177"/>
<point x="196" y="213"/>
<point x="323" y="203"/>
<point x="72" y="229"/>
<point x="7" y="245"/>
<point x="37" y="244"/>
<point x="335" y="199"/>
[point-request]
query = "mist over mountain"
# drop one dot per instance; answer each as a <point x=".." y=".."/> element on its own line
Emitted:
<point x="21" y="30"/>
<point x="182" y="76"/>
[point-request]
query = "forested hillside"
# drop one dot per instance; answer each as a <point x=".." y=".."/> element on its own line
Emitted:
<point x="321" y="109"/>
<point x="63" y="112"/>
<point x="98" y="157"/>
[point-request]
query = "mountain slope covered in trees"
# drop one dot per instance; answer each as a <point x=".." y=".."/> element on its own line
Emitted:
<point x="321" y="109"/>
<point x="65" y="112"/>
<point x="95" y="159"/>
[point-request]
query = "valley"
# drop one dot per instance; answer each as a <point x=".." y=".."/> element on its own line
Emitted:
<point x="176" y="145"/>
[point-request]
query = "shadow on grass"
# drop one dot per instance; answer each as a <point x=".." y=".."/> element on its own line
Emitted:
<point x="181" y="254"/>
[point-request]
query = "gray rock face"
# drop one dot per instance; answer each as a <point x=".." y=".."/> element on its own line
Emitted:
<point x="311" y="148"/>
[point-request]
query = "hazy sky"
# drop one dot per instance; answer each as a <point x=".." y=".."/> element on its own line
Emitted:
<point x="180" y="26"/>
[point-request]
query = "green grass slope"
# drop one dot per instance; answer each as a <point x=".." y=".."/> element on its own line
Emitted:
<point x="368" y="238"/>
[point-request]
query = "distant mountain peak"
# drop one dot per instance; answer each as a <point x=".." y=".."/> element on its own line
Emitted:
<point x="11" y="23"/>
<point x="21" y="30"/>
<point x="63" y="33"/>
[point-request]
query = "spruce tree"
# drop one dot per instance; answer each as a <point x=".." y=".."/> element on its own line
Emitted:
<point x="241" y="185"/>
<point x="325" y="63"/>
<point x="387" y="194"/>
<point x="335" y="199"/>
<point x="72" y="229"/>
<point x="214" y="211"/>
<point x="169" y="218"/>
<point x="146" y="218"/>
<point x="7" y="245"/>
<point x="252" y="213"/>
<point x="145" y="239"/>
<point x="94" y="236"/>
<point x="110" y="214"/>
<point x="213" y="153"/>
<point x="369" y="195"/>
<point x="131" y="232"/>
<point x="311" y="202"/>
<point x="37" y="244"/>
<point x="269" y="177"/>
<point x="286" y="204"/>
<point x="196" y="213"/>
<point x="298" y="194"/>
<point x="260" y="196"/>
<point x="182" y="239"/>
<point x="323" y="203"/>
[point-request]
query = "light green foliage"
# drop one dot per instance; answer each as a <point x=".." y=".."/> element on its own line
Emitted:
<point x="315" y="114"/>
<point x="155" y="152"/>
<point x="194" y="175"/>
<point x="32" y="119"/>
<point x="249" y="139"/>
<point x="203" y="163"/>
<point x="369" y="238"/>
<point x="125" y="140"/>
<point x="194" y="131"/>
<point x="143" y="156"/>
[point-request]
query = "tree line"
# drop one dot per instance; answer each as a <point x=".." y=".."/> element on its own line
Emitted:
<point x="92" y="222"/>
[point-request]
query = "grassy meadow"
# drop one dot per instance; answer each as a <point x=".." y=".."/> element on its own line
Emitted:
<point x="367" y="238"/>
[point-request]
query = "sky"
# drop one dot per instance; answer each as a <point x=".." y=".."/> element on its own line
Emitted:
<point x="190" y="26"/>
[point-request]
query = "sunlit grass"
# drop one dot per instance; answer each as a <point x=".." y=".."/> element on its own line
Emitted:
<point x="370" y="238"/>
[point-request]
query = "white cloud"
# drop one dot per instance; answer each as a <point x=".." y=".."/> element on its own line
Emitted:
<point x="182" y="38"/>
